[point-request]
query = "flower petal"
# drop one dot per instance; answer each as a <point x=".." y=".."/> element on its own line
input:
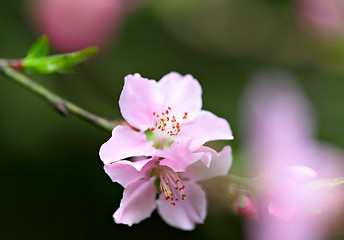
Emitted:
<point x="138" y="202"/>
<point x="284" y="196"/>
<point x="181" y="93"/>
<point x="207" y="155"/>
<point x="206" y="127"/>
<point x="301" y="173"/>
<point x="219" y="166"/>
<point x="140" y="97"/>
<point x="125" y="172"/>
<point x="124" y="143"/>
<point x="178" y="156"/>
<point x="186" y="213"/>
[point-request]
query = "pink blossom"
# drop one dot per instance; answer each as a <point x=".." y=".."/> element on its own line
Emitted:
<point x="288" y="191"/>
<point x="76" y="24"/>
<point x="323" y="16"/>
<point x="167" y="132"/>
<point x="282" y="150"/>
<point x="292" y="206"/>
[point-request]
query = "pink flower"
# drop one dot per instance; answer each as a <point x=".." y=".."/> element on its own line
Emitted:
<point x="283" y="151"/>
<point x="325" y="17"/>
<point x="287" y="192"/>
<point x="76" y="24"/>
<point x="294" y="205"/>
<point x="164" y="145"/>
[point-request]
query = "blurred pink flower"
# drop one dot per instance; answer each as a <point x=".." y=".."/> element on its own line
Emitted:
<point x="279" y="134"/>
<point x="167" y="132"/>
<point x="323" y="16"/>
<point x="288" y="191"/>
<point x="76" y="24"/>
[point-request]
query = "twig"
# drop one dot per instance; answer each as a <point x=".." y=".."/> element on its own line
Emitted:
<point x="61" y="105"/>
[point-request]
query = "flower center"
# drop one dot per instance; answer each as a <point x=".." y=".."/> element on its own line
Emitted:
<point x="170" y="185"/>
<point x="165" y="127"/>
<point x="166" y="123"/>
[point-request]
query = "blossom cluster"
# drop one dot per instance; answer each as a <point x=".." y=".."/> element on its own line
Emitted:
<point x="159" y="155"/>
<point x="161" y="151"/>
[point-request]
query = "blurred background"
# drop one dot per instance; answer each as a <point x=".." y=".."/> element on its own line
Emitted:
<point x="52" y="183"/>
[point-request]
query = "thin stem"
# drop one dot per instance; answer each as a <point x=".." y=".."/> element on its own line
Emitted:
<point x="61" y="105"/>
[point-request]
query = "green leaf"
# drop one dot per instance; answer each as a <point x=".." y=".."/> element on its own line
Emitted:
<point x="325" y="184"/>
<point x="40" y="48"/>
<point x="62" y="63"/>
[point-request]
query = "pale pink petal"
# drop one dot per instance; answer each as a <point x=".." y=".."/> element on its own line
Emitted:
<point x="139" y="99"/>
<point x="206" y="127"/>
<point x="208" y="153"/>
<point x="182" y="94"/>
<point x="186" y="213"/>
<point x="301" y="173"/>
<point x="178" y="156"/>
<point x="138" y="202"/>
<point x="219" y="166"/>
<point x="282" y="212"/>
<point x="279" y="122"/>
<point x="125" y="142"/>
<point x="125" y="172"/>
<point x="283" y="195"/>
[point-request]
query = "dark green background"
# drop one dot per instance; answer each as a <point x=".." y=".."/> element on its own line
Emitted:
<point x="52" y="183"/>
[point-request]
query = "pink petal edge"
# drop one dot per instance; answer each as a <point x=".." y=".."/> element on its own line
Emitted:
<point x="206" y="127"/>
<point x="125" y="172"/>
<point x="181" y="93"/>
<point x="138" y="202"/>
<point x="186" y="213"/>
<point x="140" y="97"/>
<point x="219" y="166"/>
<point x="124" y="143"/>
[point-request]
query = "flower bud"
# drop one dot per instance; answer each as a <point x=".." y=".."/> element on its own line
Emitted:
<point x="246" y="206"/>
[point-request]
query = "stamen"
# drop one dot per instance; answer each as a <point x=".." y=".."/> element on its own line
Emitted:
<point x="165" y="123"/>
<point x="170" y="184"/>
